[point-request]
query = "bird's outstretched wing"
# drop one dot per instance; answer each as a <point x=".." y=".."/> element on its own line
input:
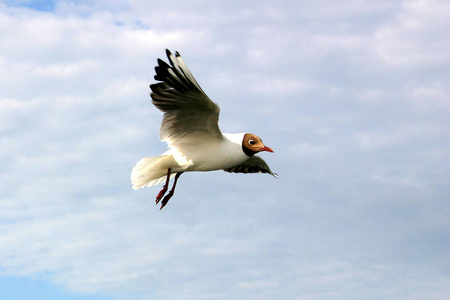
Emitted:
<point x="254" y="164"/>
<point x="188" y="111"/>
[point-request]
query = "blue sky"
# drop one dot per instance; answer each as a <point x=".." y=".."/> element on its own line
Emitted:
<point x="351" y="95"/>
<point x="38" y="289"/>
<point x="35" y="5"/>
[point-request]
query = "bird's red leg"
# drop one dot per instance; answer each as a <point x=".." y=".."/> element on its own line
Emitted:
<point x="164" y="189"/>
<point x="170" y="194"/>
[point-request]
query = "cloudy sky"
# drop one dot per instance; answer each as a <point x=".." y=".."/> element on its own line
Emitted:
<point x="353" y="96"/>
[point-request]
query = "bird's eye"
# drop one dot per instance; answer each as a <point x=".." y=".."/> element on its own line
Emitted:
<point x="251" y="142"/>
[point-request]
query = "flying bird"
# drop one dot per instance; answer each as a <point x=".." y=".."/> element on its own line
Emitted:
<point x="191" y="130"/>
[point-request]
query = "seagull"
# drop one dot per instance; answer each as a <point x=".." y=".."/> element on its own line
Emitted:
<point x="191" y="130"/>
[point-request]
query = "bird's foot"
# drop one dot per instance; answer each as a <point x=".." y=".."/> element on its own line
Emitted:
<point x="166" y="199"/>
<point x="161" y="194"/>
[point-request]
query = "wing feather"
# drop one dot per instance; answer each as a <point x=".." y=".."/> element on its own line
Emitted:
<point x="187" y="109"/>
<point x="254" y="164"/>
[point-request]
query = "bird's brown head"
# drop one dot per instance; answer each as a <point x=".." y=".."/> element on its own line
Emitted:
<point x="252" y="144"/>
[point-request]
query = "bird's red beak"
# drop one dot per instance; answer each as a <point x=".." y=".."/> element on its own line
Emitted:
<point x="266" y="149"/>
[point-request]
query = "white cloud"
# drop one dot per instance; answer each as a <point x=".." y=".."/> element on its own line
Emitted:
<point x="414" y="39"/>
<point x="351" y="96"/>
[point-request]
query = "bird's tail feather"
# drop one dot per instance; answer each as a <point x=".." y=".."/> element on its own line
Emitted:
<point x="151" y="171"/>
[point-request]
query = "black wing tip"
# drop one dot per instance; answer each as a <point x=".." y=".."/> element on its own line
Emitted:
<point x="162" y="70"/>
<point x="250" y="170"/>
<point x="176" y="76"/>
<point x="155" y="87"/>
<point x="169" y="54"/>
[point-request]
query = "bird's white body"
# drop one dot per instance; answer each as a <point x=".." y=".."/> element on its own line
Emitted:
<point x="190" y="154"/>
<point x="209" y="155"/>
